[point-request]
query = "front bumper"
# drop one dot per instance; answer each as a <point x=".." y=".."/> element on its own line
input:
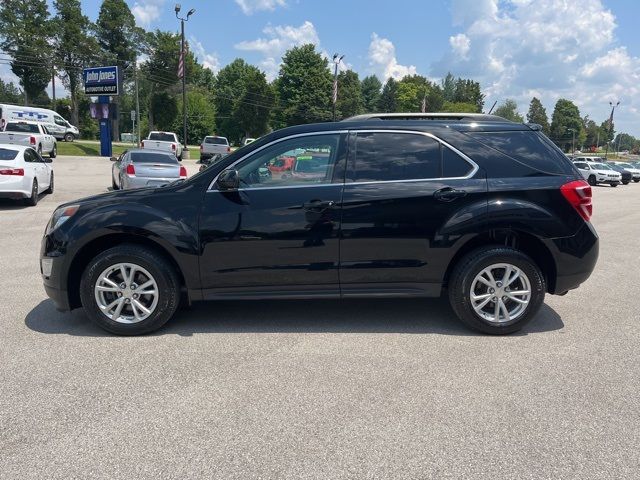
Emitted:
<point x="53" y="277"/>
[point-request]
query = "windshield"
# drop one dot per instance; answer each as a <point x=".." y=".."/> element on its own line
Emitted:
<point x="21" y="127"/>
<point x="162" y="137"/>
<point x="153" y="157"/>
<point x="8" y="154"/>
<point x="600" y="166"/>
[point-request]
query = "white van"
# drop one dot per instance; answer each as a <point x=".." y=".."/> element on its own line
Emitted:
<point x="58" y="126"/>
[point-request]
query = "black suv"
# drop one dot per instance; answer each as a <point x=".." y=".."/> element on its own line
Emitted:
<point x="488" y="211"/>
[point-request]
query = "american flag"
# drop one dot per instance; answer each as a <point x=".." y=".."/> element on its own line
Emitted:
<point x="181" y="64"/>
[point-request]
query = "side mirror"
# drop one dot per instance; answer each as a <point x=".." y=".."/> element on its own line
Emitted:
<point x="114" y="159"/>
<point x="228" y="180"/>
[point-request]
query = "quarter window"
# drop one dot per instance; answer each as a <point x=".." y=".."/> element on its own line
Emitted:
<point x="453" y="165"/>
<point x="312" y="159"/>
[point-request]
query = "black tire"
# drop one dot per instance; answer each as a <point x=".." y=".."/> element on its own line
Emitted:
<point x="636" y="180"/>
<point x="69" y="137"/>
<point x="592" y="181"/>
<point x="33" y="200"/>
<point x="114" y="186"/>
<point x="54" y="152"/>
<point x="613" y="184"/>
<point x="626" y="183"/>
<point x="155" y="263"/>
<point x="50" y="189"/>
<point x="40" y="150"/>
<point x="471" y="265"/>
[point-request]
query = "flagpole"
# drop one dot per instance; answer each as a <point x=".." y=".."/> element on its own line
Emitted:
<point x="184" y="90"/>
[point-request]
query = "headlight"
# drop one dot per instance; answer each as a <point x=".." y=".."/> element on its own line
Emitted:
<point x="60" y="216"/>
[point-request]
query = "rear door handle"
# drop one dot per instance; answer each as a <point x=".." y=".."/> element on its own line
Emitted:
<point x="448" y="194"/>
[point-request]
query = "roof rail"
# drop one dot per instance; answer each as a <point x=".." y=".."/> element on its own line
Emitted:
<point x="458" y="117"/>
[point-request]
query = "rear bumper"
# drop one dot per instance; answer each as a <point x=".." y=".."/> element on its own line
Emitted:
<point x="15" y="186"/>
<point x="575" y="258"/>
<point x="142" y="182"/>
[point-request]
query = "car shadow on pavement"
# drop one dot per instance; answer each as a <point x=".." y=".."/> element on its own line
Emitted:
<point x="10" y="204"/>
<point x="420" y="316"/>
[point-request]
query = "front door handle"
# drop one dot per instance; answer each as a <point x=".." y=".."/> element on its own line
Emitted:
<point x="448" y="194"/>
<point x="318" y="204"/>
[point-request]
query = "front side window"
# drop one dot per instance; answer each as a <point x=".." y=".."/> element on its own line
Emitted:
<point x="60" y="121"/>
<point x="312" y="161"/>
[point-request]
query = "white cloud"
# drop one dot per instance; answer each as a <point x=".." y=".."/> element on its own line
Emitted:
<point x="553" y="48"/>
<point x="382" y="59"/>
<point x="147" y="11"/>
<point x="208" y="60"/>
<point x="278" y="40"/>
<point x="251" y="6"/>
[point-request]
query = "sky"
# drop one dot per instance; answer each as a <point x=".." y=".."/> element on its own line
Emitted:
<point x="585" y="50"/>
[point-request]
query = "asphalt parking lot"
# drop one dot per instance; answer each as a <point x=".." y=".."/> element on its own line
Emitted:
<point x="322" y="389"/>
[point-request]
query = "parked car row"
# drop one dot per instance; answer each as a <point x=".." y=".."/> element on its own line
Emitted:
<point x="597" y="170"/>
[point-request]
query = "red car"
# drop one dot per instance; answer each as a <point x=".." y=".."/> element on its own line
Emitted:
<point x="282" y="164"/>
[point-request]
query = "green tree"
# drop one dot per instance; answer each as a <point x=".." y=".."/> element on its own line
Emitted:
<point x="371" y="87"/>
<point x="566" y="116"/>
<point x="537" y="114"/>
<point x="200" y="118"/>
<point x="9" y="93"/>
<point x="304" y="86"/>
<point x="24" y="34"/>
<point x="350" y="101"/>
<point x="449" y="88"/>
<point x="509" y="110"/>
<point x="388" y="102"/>
<point x="607" y="132"/>
<point x="460" y="107"/>
<point x="165" y="110"/>
<point x="592" y="133"/>
<point x="624" y="141"/>
<point x="252" y="109"/>
<point x="74" y="47"/>
<point x="468" y="91"/>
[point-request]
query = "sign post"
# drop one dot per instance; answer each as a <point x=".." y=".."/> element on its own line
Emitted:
<point x="103" y="82"/>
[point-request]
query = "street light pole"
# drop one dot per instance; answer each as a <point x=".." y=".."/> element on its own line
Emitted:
<point x="573" y="140"/>
<point x="184" y="71"/>
<point x="337" y="58"/>
<point x="613" y="108"/>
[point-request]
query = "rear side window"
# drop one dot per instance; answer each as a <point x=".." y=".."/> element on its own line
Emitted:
<point x="530" y="148"/>
<point x="382" y="156"/>
<point x="216" y="140"/>
<point x="22" y="127"/>
<point x="143" y="157"/>
<point x="162" y="137"/>
<point x="7" y="154"/>
<point x="453" y="165"/>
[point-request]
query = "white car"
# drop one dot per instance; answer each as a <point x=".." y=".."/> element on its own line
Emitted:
<point x="30" y="134"/>
<point x="635" y="171"/>
<point x="595" y="173"/>
<point x="163" y="141"/>
<point x="57" y="126"/>
<point x="214" y="145"/>
<point x="24" y="174"/>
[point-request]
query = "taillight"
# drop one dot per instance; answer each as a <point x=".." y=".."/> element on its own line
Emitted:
<point x="130" y="169"/>
<point x="173" y="147"/>
<point x="228" y="149"/>
<point x="12" y="171"/>
<point x="578" y="194"/>
<point x="32" y="140"/>
<point x="183" y="172"/>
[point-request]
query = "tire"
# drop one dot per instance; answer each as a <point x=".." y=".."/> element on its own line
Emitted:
<point x="465" y="275"/>
<point x="592" y="181"/>
<point x="54" y="152"/>
<point x="40" y="150"/>
<point x="614" y="184"/>
<point x="625" y="183"/>
<point x="33" y="200"/>
<point x="69" y="137"/>
<point x="50" y="189"/>
<point x="151" y="265"/>
<point x="636" y="180"/>
<point x="113" y="184"/>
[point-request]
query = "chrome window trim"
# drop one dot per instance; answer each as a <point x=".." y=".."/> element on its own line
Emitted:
<point x="274" y="142"/>
<point x="465" y="157"/>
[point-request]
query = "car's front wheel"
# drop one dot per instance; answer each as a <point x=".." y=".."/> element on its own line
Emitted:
<point x="636" y="180"/>
<point x="69" y="137"/>
<point x="130" y="290"/>
<point x="496" y="290"/>
<point x="54" y="152"/>
<point x="592" y="181"/>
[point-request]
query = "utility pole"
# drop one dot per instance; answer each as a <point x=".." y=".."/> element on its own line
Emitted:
<point x="613" y="108"/>
<point x="573" y="140"/>
<point x="598" y="140"/>
<point x="53" y="85"/>
<point x="182" y="71"/>
<point x="337" y="58"/>
<point x="135" y="78"/>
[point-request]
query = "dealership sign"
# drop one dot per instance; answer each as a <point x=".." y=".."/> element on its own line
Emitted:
<point x="101" y="80"/>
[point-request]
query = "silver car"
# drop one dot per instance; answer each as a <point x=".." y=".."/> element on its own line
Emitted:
<point x="144" y="168"/>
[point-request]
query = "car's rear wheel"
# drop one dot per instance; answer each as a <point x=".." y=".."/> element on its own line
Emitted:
<point x="50" y="189"/>
<point x="54" y="152"/>
<point x="625" y="183"/>
<point x="592" y="180"/>
<point x="496" y="290"/>
<point x="130" y="290"/>
<point x="614" y="184"/>
<point x="33" y="199"/>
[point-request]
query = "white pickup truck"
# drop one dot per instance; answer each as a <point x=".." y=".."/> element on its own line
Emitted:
<point x="164" y="141"/>
<point x="213" y="145"/>
<point x="30" y="134"/>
